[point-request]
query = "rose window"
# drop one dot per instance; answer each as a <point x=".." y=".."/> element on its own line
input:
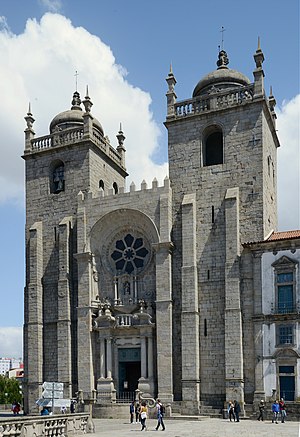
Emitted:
<point x="129" y="254"/>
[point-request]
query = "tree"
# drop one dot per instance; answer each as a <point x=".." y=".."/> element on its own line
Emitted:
<point x="10" y="390"/>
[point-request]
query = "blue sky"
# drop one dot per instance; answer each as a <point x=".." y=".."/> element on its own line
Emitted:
<point x="123" y="50"/>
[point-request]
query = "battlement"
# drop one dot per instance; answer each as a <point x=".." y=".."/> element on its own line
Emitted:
<point x="99" y="194"/>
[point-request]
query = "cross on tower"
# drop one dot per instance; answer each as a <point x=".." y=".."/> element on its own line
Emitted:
<point x="76" y="74"/>
<point x="222" y="31"/>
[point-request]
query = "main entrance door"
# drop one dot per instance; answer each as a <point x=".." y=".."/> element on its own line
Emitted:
<point x="129" y="372"/>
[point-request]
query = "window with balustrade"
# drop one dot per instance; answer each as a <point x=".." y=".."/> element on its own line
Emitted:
<point x="57" y="177"/>
<point x="213" y="146"/>
<point x="284" y="273"/>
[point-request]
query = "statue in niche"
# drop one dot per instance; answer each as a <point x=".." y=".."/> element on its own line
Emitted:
<point x="126" y="287"/>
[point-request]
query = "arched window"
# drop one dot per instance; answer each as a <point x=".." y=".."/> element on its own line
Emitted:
<point x="57" y="177"/>
<point x="213" y="146"/>
<point x="115" y="187"/>
<point x="101" y="184"/>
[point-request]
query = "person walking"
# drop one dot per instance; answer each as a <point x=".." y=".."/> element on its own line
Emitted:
<point x="231" y="411"/>
<point x="282" y="409"/>
<point x="137" y="412"/>
<point x="275" y="410"/>
<point x="131" y="411"/>
<point x="261" y="408"/>
<point x="237" y="410"/>
<point x="160" y="415"/>
<point x="144" y="412"/>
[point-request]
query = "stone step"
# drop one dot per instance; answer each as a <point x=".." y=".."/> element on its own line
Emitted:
<point x="184" y="417"/>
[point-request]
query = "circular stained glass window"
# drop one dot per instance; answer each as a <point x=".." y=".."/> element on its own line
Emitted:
<point x="129" y="254"/>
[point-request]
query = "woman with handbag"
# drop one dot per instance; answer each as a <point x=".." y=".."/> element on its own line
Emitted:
<point x="143" y="415"/>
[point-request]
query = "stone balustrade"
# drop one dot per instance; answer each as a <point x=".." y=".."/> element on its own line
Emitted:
<point x="218" y="100"/>
<point x="72" y="136"/>
<point x="46" y="426"/>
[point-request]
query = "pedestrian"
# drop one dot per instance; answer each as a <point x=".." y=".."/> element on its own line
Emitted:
<point x="16" y="408"/>
<point x="63" y="409"/>
<point x="144" y="411"/>
<point x="237" y="410"/>
<point x="137" y="412"/>
<point x="275" y="410"/>
<point x="282" y="409"/>
<point x="131" y="411"/>
<point x="160" y="411"/>
<point x="231" y="411"/>
<point x="45" y="412"/>
<point x="72" y="406"/>
<point x="261" y="408"/>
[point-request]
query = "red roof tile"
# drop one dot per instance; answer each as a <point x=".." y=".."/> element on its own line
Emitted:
<point x="285" y="235"/>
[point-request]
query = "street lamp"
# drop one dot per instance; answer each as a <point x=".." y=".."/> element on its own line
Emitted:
<point x="6" y="396"/>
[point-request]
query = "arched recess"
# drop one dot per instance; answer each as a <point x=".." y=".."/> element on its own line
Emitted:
<point x="212" y="140"/>
<point x="57" y="176"/>
<point x="124" y="234"/>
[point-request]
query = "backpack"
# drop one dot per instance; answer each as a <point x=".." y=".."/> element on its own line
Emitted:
<point x="162" y="409"/>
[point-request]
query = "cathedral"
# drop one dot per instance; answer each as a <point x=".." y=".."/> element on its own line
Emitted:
<point x="184" y="291"/>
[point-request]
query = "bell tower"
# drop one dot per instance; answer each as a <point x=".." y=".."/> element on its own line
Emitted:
<point x="222" y="146"/>
<point x="74" y="158"/>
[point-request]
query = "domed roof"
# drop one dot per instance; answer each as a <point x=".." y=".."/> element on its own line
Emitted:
<point x="221" y="78"/>
<point x="72" y="118"/>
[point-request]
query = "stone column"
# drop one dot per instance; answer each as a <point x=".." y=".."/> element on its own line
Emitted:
<point x="143" y="358"/>
<point x="164" y="299"/>
<point x="102" y="357"/>
<point x="234" y="371"/>
<point x="150" y="358"/>
<point x="84" y="325"/>
<point x="108" y="358"/>
<point x="33" y="326"/>
<point x="190" y="313"/>
<point x="64" y="358"/>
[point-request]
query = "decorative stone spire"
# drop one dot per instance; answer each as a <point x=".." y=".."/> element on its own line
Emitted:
<point x="121" y="149"/>
<point x="223" y="60"/>
<point x="258" y="73"/>
<point x="171" y="95"/>
<point x="87" y="103"/>
<point x="76" y="101"/>
<point x="272" y="104"/>
<point x="29" y="132"/>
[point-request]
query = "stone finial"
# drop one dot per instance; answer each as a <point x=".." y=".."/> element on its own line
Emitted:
<point x="144" y="185"/>
<point x="258" y="55"/>
<point x="76" y="101"/>
<point x="223" y="60"/>
<point x="29" y="118"/>
<point x="258" y="73"/>
<point x="132" y="187"/>
<point x="120" y="136"/>
<point x="272" y="104"/>
<point x="87" y="103"/>
<point x="171" y="95"/>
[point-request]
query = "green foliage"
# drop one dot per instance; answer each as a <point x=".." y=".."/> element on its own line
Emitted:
<point x="9" y="390"/>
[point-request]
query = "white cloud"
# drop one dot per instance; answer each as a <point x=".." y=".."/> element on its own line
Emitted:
<point x="51" y="5"/>
<point x="289" y="164"/>
<point x="39" y="66"/>
<point x="11" y="342"/>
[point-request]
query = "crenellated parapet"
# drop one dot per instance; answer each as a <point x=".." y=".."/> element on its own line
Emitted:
<point x="101" y="194"/>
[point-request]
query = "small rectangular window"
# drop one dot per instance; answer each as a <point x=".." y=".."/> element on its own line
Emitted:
<point x="286" y="369"/>
<point x="285" y="334"/>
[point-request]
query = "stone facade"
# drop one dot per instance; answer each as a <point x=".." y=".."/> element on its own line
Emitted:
<point x="152" y="289"/>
